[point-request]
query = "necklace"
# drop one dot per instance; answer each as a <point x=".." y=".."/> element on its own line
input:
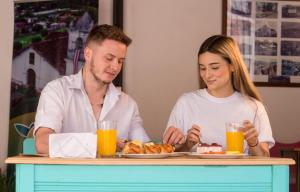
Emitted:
<point x="99" y="104"/>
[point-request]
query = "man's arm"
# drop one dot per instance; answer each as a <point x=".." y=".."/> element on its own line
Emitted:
<point x="42" y="140"/>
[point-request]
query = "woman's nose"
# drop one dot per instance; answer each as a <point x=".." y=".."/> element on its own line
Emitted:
<point x="207" y="73"/>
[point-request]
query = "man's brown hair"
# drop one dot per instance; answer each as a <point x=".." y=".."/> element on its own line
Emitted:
<point x="101" y="32"/>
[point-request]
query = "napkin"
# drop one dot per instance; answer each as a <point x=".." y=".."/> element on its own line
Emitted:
<point x="79" y="145"/>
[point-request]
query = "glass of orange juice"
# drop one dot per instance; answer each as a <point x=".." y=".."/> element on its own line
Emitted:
<point x="234" y="137"/>
<point x="106" y="138"/>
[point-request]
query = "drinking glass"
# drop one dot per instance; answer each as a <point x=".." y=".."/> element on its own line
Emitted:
<point x="234" y="137"/>
<point x="106" y="138"/>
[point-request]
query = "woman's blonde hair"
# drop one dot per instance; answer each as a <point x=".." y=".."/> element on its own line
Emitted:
<point x="227" y="48"/>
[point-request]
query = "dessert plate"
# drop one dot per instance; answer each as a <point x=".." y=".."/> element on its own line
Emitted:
<point x="146" y="156"/>
<point x="218" y="156"/>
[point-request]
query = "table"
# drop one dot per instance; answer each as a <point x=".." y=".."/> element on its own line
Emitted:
<point x="295" y="154"/>
<point x="248" y="174"/>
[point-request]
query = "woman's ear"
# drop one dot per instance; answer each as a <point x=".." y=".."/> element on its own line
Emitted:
<point x="231" y="68"/>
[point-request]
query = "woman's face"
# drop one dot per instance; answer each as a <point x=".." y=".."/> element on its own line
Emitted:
<point x="216" y="73"/>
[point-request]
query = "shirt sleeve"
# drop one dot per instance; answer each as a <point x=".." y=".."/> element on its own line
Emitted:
<point x="50" y="108"/>
<point x="176" y="118"/>
<point x="263" y="125"/>
<point x="137" y="131"/>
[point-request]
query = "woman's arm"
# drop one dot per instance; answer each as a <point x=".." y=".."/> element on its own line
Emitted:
<point x="261" y="149"/>
<point x="256" y="148"/>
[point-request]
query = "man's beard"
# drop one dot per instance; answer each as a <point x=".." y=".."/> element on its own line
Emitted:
<point x="92" y="70"/>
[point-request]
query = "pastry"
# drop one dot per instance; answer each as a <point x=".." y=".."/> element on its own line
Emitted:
<point x="133" y="147"/>
<point x="151" y="149"/>
<point x="167" y="148"/>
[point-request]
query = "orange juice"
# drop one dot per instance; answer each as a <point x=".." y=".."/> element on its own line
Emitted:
<point x="106" y="142"/>
<point x="235" y="141"/>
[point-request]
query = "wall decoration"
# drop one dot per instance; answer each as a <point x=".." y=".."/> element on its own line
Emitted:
<point x="48" y="43"/>
<point x="268" y="34"/>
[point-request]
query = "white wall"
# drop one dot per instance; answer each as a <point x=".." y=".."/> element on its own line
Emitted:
<point x="283" y="107"/>
<point x="161" y="62"/>
<point x="6" y="34"/>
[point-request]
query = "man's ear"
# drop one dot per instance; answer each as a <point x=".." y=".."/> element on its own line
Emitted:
<point x="87" y="52"/>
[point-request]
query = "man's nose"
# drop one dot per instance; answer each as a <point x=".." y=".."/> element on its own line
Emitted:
<point x="115" y="64"/>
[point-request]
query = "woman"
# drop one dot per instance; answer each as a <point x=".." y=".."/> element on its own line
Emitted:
<point x="226" y="94"/>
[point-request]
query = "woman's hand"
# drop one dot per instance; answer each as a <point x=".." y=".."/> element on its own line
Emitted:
<point x="193" y="136"/>
<point x="251" y="136"/>
<point x="174" y="136"/>
<point x="250" y="133"/>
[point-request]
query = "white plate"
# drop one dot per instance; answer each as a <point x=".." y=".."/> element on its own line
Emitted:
<point x="178" y="154"/>
<point x="146" y="156"/>
<point x="218" y="156"/>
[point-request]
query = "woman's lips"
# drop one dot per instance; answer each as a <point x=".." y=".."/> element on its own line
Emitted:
<point x="210" y="82"/>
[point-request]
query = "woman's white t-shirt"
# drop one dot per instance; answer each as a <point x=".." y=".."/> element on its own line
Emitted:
<point x="211" y="113"/>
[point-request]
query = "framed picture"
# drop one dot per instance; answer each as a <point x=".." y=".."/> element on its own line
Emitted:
<point x="268" y="34"/>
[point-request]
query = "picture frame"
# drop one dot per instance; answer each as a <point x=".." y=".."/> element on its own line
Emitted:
<point x="268" y="34"/>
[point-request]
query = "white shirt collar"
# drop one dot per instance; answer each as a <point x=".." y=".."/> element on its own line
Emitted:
<point x="78" y="84"/>
<point x="210" y="97"/>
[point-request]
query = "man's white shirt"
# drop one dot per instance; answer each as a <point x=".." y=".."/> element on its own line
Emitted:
<point x="64" y="107"/>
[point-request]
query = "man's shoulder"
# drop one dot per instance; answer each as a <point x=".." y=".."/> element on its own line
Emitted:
<point x="126" y="97"/>
<point x="62" y="82"/>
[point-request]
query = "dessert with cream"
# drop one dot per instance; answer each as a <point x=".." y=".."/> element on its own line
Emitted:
<point x="205" y="148"/>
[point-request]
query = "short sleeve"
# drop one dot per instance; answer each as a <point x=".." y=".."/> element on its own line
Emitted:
<point x="177" y="117"/>
<point x="137" y="131"/>
<point x="50" y="108"/>
<point x="262" y="123"/>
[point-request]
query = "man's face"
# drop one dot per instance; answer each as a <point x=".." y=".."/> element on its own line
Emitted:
<point x="105" y="61"/>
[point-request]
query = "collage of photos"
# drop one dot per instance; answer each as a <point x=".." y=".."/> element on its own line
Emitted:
<point x="268" y="34"/>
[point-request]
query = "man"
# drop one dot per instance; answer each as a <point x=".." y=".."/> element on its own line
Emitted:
<point x="76" y="103"/>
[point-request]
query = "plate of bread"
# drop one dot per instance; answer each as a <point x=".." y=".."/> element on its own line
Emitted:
<point x="150" y="150"/>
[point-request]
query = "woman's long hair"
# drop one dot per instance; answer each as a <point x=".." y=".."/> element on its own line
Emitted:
<point x="227" y="48"/>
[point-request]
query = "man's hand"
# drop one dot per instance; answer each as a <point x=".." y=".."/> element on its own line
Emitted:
<point x="120" y="144"/>
<point x="42" y="140"/>
<point x="173" y="136"/>
<point x="193" y="136"/>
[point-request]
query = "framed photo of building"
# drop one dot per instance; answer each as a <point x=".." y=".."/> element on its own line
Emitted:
<point x="268" y="34"/>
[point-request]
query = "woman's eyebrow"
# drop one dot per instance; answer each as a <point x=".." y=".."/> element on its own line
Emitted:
<point x="213" y="63"/>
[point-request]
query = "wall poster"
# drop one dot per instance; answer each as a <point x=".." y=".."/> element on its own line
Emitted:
<point x="268" y="33"/>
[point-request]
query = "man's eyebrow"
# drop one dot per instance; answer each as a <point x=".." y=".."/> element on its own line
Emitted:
<point x="112" y="55"/>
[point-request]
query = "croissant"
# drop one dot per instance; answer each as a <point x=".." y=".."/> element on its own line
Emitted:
<point x="133" y="148"/>
<point x="167" y="148"/>
<point x="152" y="149"/>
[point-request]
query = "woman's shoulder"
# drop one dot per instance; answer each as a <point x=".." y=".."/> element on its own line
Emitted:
<point x="191" y="94"/>
<point x="258" y="104"/>
<point x="188" y="97"/>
